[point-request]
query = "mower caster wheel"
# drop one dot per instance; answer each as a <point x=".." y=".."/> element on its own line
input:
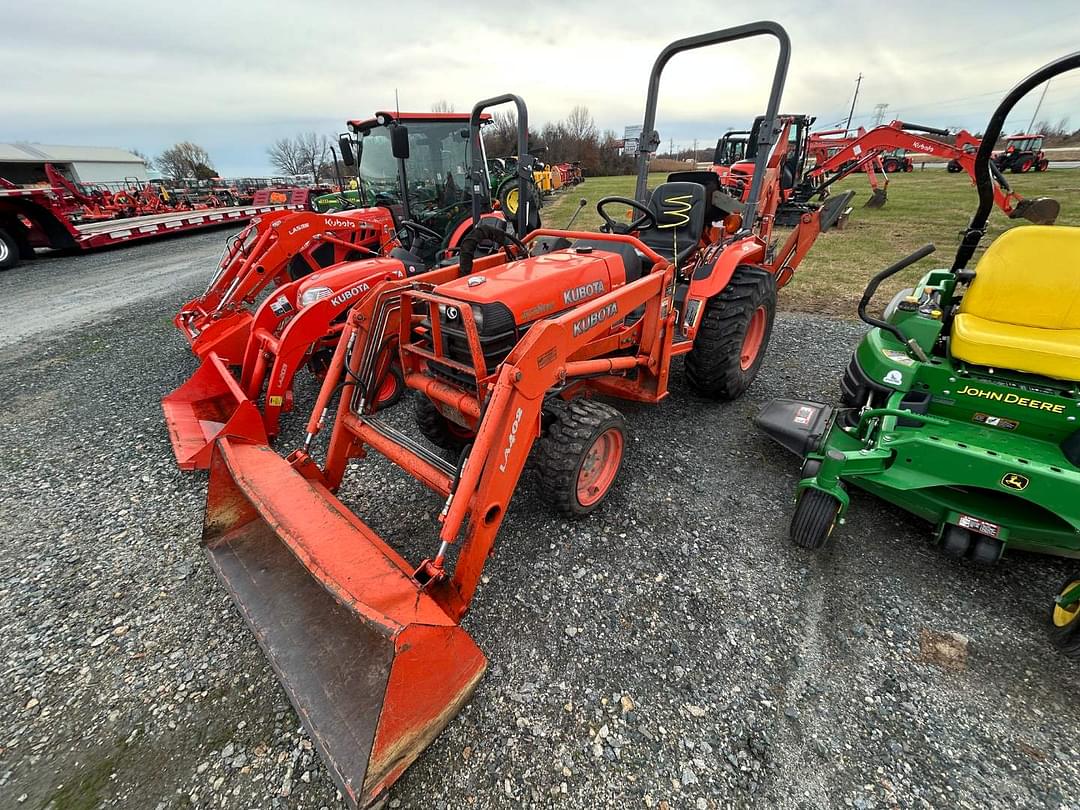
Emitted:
<point x="955" y="541"/>
<point x="733" y="335"/>
<point x="580" y="455"/>
<point x="439" y="430"/>
<point x="1065" y="623"/>
<point x="814" y="519"/>
<point x="986" y="550"/>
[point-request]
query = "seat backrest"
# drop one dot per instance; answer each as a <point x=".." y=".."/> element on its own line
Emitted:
<point x="679" y="209"/>
<point x="1029" y="276"/>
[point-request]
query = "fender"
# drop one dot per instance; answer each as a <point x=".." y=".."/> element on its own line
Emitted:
<point x="711" y="277"/>
<point x="463" y="227"/>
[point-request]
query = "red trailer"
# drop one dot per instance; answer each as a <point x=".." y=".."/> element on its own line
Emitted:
<point x="48" y="217"/>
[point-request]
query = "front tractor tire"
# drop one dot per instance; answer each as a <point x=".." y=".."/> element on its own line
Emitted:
<point x="580" y="455"/>
<point x="733" y="336"/>
<point x="439" y="430"/>
<point x="9" y="250"/>
<point x="814" y="520"/>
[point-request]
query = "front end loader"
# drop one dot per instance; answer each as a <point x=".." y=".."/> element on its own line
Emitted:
<point x="502" y="359"/>
<point x="272" y="251"/>
<point x="960" y="404"/>
<point x="299" y="323"/>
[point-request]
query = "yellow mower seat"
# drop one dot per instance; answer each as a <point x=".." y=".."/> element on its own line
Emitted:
<point x="1022" y="311"/>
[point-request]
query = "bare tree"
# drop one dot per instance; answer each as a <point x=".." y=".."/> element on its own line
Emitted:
<point x="442" y="106"/>
<point x="580" y="125"/>
<point x="186" y="159"/>
<point x="314" y="152"/>
<point x="287" y="156"/>
<point x="147" y="162"/>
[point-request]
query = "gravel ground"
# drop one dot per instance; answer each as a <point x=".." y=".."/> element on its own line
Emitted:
<point x="672" y="651"/>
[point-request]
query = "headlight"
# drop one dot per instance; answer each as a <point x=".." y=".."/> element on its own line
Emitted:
<point x="313" y="294"/>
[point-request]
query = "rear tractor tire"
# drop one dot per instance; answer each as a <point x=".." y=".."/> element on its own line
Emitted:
<point x="1065" y="623"/>
<point x="733" y="336"/>
<point x="814" y="519"/>
<point x="439" y="430"/>
<point x="580" y="455"/>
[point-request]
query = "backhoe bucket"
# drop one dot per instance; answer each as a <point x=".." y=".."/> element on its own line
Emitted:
<point x="1038" y="210"/>
<point x="209" y="405"/>
<point x="372" y="664"/>
<point x="877" y="199"/>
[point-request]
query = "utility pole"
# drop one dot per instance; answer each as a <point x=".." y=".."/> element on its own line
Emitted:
<point x="854" y="98"/>
<point x="695" y="151"/>
<point x="879" y="113"/>
<point x="671" y="148"/>
<point x="1038" y="106"/>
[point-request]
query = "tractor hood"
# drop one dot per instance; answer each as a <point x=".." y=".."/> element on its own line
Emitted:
<point x="544" y="285"/>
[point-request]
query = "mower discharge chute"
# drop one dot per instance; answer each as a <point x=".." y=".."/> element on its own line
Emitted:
<point x="504" y="355"/>
<point x="299" y="323"/>
<point x="960" y="404"/>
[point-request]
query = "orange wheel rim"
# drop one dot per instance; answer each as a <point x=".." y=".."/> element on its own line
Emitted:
<point x="599" y="466"/>
<point x="387" y="388"/>
<point x="755" y="336"/>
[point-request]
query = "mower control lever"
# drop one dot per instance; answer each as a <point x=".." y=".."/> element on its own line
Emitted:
<point x="871" y="288"/>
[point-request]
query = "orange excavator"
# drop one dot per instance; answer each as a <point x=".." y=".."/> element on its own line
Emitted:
<point x="837" y="156"/>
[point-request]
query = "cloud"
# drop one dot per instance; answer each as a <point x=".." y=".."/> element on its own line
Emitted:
<point x="234" y="76"/>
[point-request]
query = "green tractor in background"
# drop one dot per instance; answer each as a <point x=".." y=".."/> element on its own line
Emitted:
<point x="962" y="403"/>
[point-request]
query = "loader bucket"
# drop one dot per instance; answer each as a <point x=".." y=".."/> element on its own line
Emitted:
<point x="209" y="405"/>
<point x="373" y="666"/>
<point x="1038" y="210"/>
<point x="227" y="336"/>
<point x="877" y="199"/>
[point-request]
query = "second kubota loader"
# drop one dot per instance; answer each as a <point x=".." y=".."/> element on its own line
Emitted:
<point x="299" y="323"/>
<point x="502" y="354"/>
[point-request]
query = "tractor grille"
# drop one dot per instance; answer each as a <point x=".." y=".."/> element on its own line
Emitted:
<point x="498" y="334"/>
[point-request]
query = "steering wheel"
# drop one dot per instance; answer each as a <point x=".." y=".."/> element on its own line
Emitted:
<point x="486" y="233"/>
<point x="419" y="231"/>
<point x="647" y="218"/>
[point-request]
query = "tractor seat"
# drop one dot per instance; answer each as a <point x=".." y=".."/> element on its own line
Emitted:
<point x="679" y="208"/>
<point x="1022" y="310"/>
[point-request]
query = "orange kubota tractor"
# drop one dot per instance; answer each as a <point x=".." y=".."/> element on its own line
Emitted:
<point x="423" y="172"/>
<point x="414" y="204"/>
<point x="502" y="355"/>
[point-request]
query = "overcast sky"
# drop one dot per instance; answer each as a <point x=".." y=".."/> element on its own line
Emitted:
<point x="234" y="76"/>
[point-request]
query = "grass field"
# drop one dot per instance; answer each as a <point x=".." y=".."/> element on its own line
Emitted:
<point x="931" y="206"/>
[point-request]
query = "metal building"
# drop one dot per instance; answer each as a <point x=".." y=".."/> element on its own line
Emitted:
<point x="24" y="163"/>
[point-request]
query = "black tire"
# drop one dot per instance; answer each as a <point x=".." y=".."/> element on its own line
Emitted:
<point x="565" y="447"/>
<point x="534" y="203"/>
<point x="956" y="541"/>
<point x="9" y="250"/>
<point x="814" y="519"/>
<point x="715" y="367"/>
<point x="890" y="166"/>
<point x="1064" y="628"/>
<point x="439" y="430"/>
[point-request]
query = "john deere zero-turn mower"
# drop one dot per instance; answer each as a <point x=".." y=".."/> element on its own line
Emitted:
<point x="962" y="404"/>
